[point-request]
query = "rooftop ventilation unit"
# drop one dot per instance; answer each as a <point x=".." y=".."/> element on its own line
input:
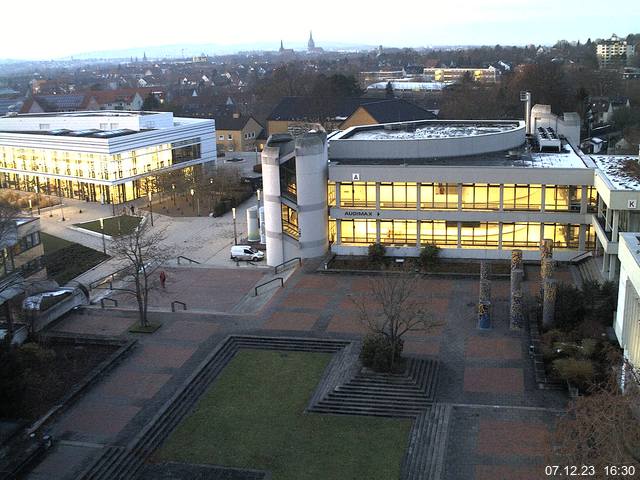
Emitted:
<point x="548" y="139"/>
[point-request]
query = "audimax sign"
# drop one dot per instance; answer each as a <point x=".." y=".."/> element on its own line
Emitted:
<point x="361" y="214"/>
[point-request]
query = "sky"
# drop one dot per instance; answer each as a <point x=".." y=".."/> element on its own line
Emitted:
<point x="42" y="29"/>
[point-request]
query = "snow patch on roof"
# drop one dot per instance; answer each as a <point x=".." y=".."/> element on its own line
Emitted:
<point x="613" y="167"/>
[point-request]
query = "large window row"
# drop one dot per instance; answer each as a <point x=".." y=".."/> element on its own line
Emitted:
<point x="466" y="196"/>
<point x="290" y="221"/>
<point x="465" y="234"/>
<point x="100" y="166"/>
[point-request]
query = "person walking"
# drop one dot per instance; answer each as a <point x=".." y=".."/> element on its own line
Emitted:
<point x="163" y="279"/>
<point x="133" y="209"/>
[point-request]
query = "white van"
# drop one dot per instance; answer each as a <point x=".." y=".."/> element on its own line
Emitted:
<point x="246" y="252"/>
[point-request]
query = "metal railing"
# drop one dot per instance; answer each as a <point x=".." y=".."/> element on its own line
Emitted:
<point x="110" y="278"/>
<point x="298" y="259"/>
<point x="255" y="290"/>
<point x="102" y="300"/>
<point x="580" y="257"/>
<point x="173" y="305"/>
<point x="186" y="258"/>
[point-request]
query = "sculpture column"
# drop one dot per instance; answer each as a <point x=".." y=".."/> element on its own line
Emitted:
<point x="516" y="315"/>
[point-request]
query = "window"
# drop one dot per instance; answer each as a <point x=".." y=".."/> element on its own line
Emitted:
<point x="230" y="137"/>
<point x="288" y="186"/>
<point x="439" y="232"/>
<point x="480" y="196"/>
<point x="562" y="197"/>
<point x="522" y="197"/>
<point x="358" y="231"/>
<point x="521" y="235"/>
<point x="185" y="150"/>
<point x="332" y="230"/>
<point x="331" y="194"/>
<point x="438" y="196"/>
<point x="398" y="232"/>
<point x="398" y="195"/>
<point x="220" y="137"/>
<point x="290" y="221"/>
<point x="563" y="235"/>
<point x="358" y="194"/>
<point x="479" y="234"/>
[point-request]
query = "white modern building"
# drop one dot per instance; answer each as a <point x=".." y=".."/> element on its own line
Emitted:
<point x="614" y="52"/>
<point x="103" y="156"/>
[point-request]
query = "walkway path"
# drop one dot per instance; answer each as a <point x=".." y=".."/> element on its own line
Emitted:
<point x="500" y="423"/>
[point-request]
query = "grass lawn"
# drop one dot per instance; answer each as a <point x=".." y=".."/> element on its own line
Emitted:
<point x="252" y="417"/>
<point x="113" y="226"/>
<point x="66" y="260"/>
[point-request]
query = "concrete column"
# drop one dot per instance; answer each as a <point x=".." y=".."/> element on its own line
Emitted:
<point x="485" y="270"/>
<point x="501" y="203"/>
<point x="311" y="178"/>
<point x="600" y="204"/>
<point x="459" y="233"/>
<point x="338" y="194"/>
<point x="607" y="223"/>
<point x="500" y="236"/>
<point x="484" y="319"/>
<point x="516" y="259"/>
<point x="546" y="248"/>
<point x="547" y="268"/>
<point x="582" y="238"/>
<point x="584" y="201"/>
<point x="377" y="195"/>
<point x="516" y="311"/>
<point x="613" y="267"/>
<point x="549" y="302"/>
<point x="338" y="231"/>
<point x="605" y="264"/>
<point x="459" y="188"/>
<point x="272" y="208"/>
<point x="543" y="196"/>
<point x="418" y="233"/>
<point x="614" y="226"/>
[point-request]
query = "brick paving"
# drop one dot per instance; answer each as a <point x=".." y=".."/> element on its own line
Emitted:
<point x="478" y="370"/>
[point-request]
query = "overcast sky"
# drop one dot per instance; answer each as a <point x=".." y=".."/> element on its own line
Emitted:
<point x="39" y="29"/>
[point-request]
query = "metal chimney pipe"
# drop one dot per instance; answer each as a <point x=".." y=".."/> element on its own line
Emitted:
<point x="526" y="97"/>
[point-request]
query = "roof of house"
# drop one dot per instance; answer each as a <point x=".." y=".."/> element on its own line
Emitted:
<point x="229" y="122"/>
<point x="397" y="110"/>
<point x="321" y="108"/>
<point x="58" y="103"/>
<point x="315" y="108"/>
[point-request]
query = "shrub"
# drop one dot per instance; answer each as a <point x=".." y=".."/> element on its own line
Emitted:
<point x="376" y="352"/>
<point x="570" y="307"/>
<point x="376" y="252"/>
<point x="12" y="382"/>
<point x="578" y="372"/>
<point x="429" y="255"/>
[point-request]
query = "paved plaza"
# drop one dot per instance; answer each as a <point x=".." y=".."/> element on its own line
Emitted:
<point x="500" y="425"/>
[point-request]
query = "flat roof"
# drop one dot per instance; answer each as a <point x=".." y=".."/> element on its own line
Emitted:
<point x="86" y="133"/>
<point x="516" y="158"/>
<point x="428" y="129"/>
<point x="623" y="171"/>
<point x="86" y="113"/>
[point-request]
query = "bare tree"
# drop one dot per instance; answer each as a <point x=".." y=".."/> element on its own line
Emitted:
<point x="142" y="251"/>
<point x="8" y="238"/>
<point x="393" y="306"/>
<point x="600" y="429"/>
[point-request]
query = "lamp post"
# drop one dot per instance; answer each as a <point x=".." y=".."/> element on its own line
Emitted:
<point x="30" y="208"/>
<point x="38" y="198"/>
<point x="150" y="207"/>
<point x="211" y="190"/>
<point x="235" y="232"/>
<point x="61" y="207"/>
<point x="173" y="190"/>
<point x="193" y="203"/>
<point x="104" y="245"/>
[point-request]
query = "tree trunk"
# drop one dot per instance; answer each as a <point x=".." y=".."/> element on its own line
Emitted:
<point x="7" y="308"/>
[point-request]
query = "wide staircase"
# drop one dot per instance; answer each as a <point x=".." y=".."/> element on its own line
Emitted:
<point x="589" y="269"/>
<point x="425" y="456"/>
<point x="384" y="395"/>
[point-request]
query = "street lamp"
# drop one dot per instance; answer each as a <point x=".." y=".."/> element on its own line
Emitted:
<point x="193" y="204"/>
<point x="104" y="245"/>
<point x="61" y="207"/>
<point x="150" y="207"/>
<point x="173" y="190"/>
<point x="235" y="232"/>
<point x="38" y="198"/>
<point x="30" y="208"/>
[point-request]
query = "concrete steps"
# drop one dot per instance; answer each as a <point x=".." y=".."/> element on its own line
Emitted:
<point x="589" y="270"/>
<point x="384" y="395"/>
<point x="120" y="463"/>
<point x="424" y="459"/>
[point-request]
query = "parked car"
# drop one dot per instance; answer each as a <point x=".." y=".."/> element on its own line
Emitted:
<point x="246" y="252"/>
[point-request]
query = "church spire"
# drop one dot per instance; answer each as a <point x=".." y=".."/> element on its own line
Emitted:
<point x="311" y="44"/>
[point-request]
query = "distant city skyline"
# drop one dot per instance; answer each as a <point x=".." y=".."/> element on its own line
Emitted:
<point x="73" y="28"/>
